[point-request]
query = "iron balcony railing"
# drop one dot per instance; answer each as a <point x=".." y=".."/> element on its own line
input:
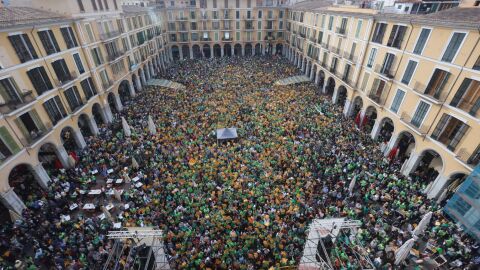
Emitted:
<point x="386" y="71"/>
<point x="25" y="97"/>
<point x="439" y="96"/>
<point x="421" y="128"/>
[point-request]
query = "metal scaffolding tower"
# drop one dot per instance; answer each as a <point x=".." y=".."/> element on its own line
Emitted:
<point x="328" y="236"/>
<point x="128" y="248"/>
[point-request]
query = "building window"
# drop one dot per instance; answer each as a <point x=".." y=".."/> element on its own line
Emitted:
<point x="422" y="40"/>
<point x="9" y="91"/>
<point x="94" y="5"/>
<point x="8" y="146"/>
<point x="467" y="97"/>
<point x="88" y="88"/>
<point x="366" y="77"/>
<point x="407" y="76"/>
<point x="105" y="3"/>
<point x="40" y="80"/>
<point x="397" y="101"/>
<point x="476" y="66"/>
<point x="69" y="37"/>
<point x="475" y="157"/>
<point x="359" y="27"/>
<point x="371" y="57"/>
<point x="73" y="98"/>
<point x="420" y="114"/>
<point x="97" y="56"/>
<point x="100" y="4"/>
<point x="453" y="47"/>
<point x="449" y="131"/>
<point x="78" y="62"/>
<point x="91" y="37"/>
<point x="386" y="68"/>
<point x="55" y="109"/>
<point x="437" y="83"/>
<point x="49" y="42"/>
<point x="23" y="47"/>
<point x="330" y="23"/>
<point x="379" y="32"/>
<point x="80" y="5"/>
<point x="396" y="36"/>
<point x="62" y="72"/>
<point x="115" y="4"/>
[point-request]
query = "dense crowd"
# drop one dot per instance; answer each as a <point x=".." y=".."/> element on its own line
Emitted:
<point x="238" y="204"/>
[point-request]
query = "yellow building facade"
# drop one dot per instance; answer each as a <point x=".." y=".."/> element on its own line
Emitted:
<point x="414" y="78"/>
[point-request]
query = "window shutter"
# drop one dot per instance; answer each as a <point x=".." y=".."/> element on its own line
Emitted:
<point x="36" y="118"/>
<point x="22" y="127"/>
<point x="440" y="126"/>
<point x="460" y="92"/>
<point x="8" y="140"/>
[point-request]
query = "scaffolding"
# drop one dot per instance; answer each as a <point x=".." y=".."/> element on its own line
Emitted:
<point x="137" y="249"/>
<point x="327" y="240"/>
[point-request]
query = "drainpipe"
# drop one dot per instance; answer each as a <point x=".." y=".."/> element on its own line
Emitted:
<point x="454" y="82"/>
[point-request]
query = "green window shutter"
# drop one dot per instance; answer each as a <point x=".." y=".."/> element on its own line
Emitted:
<point x="8" y="140"/>
<point x="36" y="119"/>
<point x="22" y="128"/>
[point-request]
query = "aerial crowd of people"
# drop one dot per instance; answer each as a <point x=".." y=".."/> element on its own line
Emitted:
<point x="237" y="204"/>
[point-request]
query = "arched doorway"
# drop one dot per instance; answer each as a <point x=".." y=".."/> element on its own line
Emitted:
<point x="342" y="95"/>
<point x="357" y="108"/>
<point x="452" y="185"/>
<point x="217" y="50"/>
<point x="369" y="119"/>
<point x="206" y="51"/>
<point x="112" y="101"/>
<point x="237" y="50"/>
<point x="124" y="92"/>
<point x="24" y="184"/>
<point x="197" y="54"/>
<point x="97" y="114"/>
<point x="279" y="49"/>
<point x="403" y="148"/>
<point x="227" y="50"/>
<point x="47" y="155"/>
<point x="175" y="52"/>
<point x="330" y="86"/>
<point x="386" y="130"/>
<point x="134" y="81"/>
<point x="248" y="49"/>
<point x="428" y="167"/>
<point x="67" y="137"/>
<point x="321" y="79"/>
<point x="258" y="49"/>
<point x="185" y="52"/>
<point x="84" y="125"/>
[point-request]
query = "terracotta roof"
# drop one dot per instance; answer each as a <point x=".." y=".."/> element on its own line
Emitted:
<point x="311" y="4"/>
<point x="17" y="17"/>
<point x="457" y="14"/>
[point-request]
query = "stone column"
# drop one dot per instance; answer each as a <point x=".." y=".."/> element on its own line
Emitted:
<point x="146" y="69"/>
<point x="347" y="109"/>
<point x="11" y="201"/>
<point x="411" y="164"/>
<point x="93" y="126"/>
<point x="62" y="156"/>
<point x="131" y="89"/>
<point x="335" y="96"/>
<point x="437" y="187"/>
<point x="181" y="52"/>
<point x="317" y="77"/>
<point x="118" y="103"/>
<point x="41" y="176"/>
<point x="106" y="114"/>
<point x="232" y="50"/>
<point x="142" y="76"/>
<point x="312" y="74"/>
<point x="211" y="52"/>
<point x="137" y="82"/>
<point x="376" y="129"/>
<point x="243" y="50"/>
<point x="221" y="52"/>
<point x="79" y="139"/>
<point x="391" y="144"/>
<point x="191" y="52"/>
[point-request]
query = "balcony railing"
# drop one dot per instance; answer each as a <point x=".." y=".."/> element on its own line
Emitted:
<point x="107" y="84"/>
<point x="421" y="89"/>
<point x="114" y="56"/>
<point x="323" y="64"/>
<point x="205" y="39"/>
<point x="109" y="35"/>
<point x="324" y="45"/>
<point x="227" y="39"/>
<point x="182" y="18"/>
<point x="466" y="157"/>
<point x="68" y="78"/>
<point x="35" y="136"/>
<point x="347" y="79"/>
<point x="11" y="105"/>
<point x="332" y="69"/>
<point x="335" y="50"/>
<point x="406" y="118"/>
<point x="385" y="71"/>
<point x="341" y="31"/>
<point x="349" y="56"/>
<point x="379" y="99"/>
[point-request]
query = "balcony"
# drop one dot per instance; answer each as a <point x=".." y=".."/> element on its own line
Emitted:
<point x="107" y="84"/>
<point x="350" y="57"/>
<point x="346" y="78"/>
<point x="341" y="31"/>
<point x="227" y="39"/>
<point x="205" y="39"/>
<point x="115" y="55"/>
<point x="273" y="18"/>
<point x="407" y="119"/>
<point x="335" y="50"/>
<point x="387" y="72"/>
<point x="379" y="99"/>
<point x="332" y="69"/>
<point x="109" y="35"/>
<point x="68" y="78"/>
<point x="10" y="106"/>
<point x="466" y="157"/>
<point x="324" y="45"/>
<point x="303" y="35"/>
<point x="422" y="90"/>
<point x="36" y="135"/>
<point x="182" y="18"/>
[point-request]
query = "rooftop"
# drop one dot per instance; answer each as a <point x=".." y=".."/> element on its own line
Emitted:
<point x="17" y="17"/>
